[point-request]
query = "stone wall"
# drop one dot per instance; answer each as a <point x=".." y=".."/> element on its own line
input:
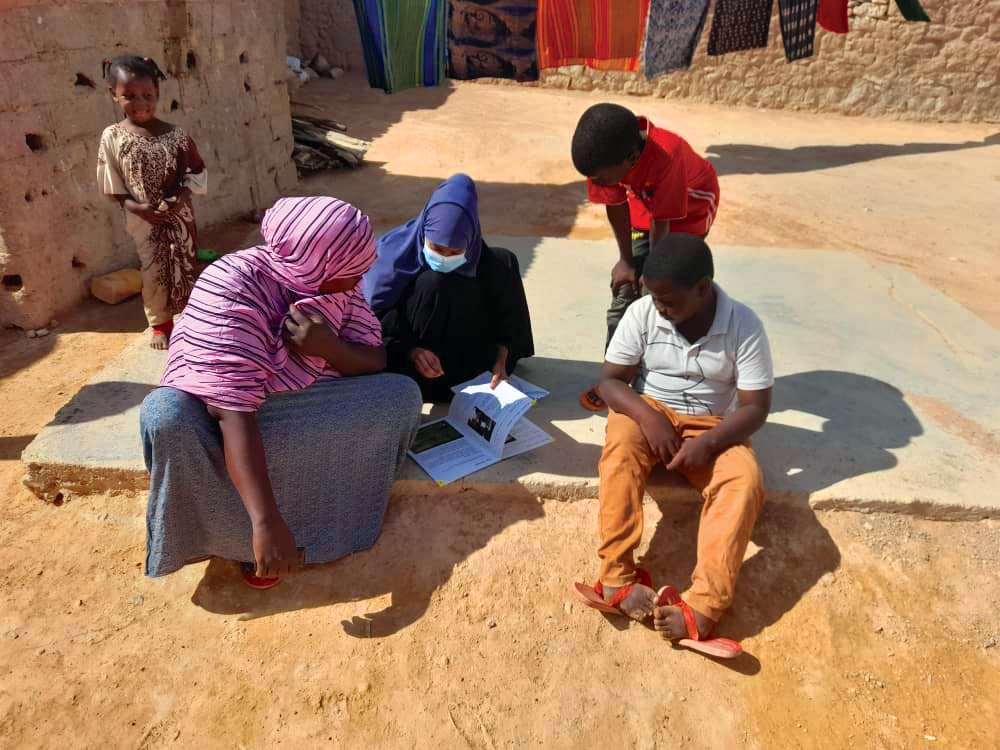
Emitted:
<point x="225" y="65"/>
<point x="945" y="70"/>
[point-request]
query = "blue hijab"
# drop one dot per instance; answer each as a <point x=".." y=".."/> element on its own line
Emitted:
<point x="450" y="219"/>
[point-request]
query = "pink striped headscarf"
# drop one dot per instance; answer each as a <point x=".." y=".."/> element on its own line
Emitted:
<point x="228" y="347"/>
<point x="313" y="240"/>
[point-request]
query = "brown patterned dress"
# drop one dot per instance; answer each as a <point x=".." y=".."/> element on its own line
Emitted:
<point x="152" y="170"/>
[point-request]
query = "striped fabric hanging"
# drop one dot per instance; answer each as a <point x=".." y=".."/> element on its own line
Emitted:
<point x="404" y="41"/>
<point x="602" y="34"/>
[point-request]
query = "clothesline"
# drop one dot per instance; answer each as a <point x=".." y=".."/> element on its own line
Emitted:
<point x="411" y="43"/>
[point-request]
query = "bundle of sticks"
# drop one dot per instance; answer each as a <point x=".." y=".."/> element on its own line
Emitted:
<point x="322" y="144"/>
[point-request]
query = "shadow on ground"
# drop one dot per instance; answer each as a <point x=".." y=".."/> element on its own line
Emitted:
<point x="11" y="447"/>
<point x="99" y="400"/>
<point x="862" y="419"/>
<point x="745" y="158"/>
<point x="856" y="422"/>
<point x="414" y="557"/>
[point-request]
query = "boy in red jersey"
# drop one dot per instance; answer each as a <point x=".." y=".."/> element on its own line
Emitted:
<point x="652" y="183"/>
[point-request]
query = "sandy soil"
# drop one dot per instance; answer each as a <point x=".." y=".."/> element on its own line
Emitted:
<point x="457" y="629"/>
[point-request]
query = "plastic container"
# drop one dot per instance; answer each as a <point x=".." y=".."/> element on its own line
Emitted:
<point x="207" y="256"/>
<point x="116" y="287"/>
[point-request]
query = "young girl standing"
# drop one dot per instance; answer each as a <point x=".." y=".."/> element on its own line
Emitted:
<point x="151" y="168"/>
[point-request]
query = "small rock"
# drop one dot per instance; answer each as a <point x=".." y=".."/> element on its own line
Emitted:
<point x="491" y="624"/>
<point x="683" y="699"/>
<point x="930" y="738"/>
<point x="364" y="687"/>
<point x="137" y="600"/>
<point x="30" y="334"/>
<point x="867" y="526"/>
<point x="336" y="72"/>
<point x="40" y="652"/>
<point x="568" y="608"/>
<point x="41" y="332"/>
<point x="879" y="628"/>
<point x="990" y="643"/>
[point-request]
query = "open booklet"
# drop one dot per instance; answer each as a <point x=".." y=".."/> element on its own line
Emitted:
<point x="483" y="426"/>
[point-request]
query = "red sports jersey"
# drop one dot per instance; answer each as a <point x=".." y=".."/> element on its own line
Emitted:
<point x="670" y="182"/>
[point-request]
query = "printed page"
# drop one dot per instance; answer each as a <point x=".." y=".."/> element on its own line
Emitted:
<point x="532" y="391"/>
<point x="526" y="436"/>
<point x="446" y="454"/>
<point x="487" y="414"/>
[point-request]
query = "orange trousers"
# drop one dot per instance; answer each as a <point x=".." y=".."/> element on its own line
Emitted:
<point x="733" y="492"/>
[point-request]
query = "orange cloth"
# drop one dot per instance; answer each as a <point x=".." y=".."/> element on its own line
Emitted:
<point x="603" y="34"/>
<point x="732" y="488"/>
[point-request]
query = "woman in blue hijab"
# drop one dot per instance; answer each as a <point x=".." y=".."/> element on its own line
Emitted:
<point x="450" y="305"/>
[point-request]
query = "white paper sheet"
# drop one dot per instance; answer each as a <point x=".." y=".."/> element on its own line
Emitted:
<point x="532" y="391"/>
<point x="483" y="426"/>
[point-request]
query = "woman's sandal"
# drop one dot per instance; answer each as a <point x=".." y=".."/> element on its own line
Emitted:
<point x="721" y="648"/>
<point x="593" y="596"/>
<point x="591" y="400"/>
<point x="247" y="570"/>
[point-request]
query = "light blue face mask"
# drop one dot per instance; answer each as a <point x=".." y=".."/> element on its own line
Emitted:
<point x="443" y="263"/>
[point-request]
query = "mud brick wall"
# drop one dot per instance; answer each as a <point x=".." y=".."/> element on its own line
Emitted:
<point x="225" y="61"/>
<point x="945" y="70"/>
<point x="328" y="27"/>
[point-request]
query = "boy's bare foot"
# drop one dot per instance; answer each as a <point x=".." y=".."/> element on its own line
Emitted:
<point x="638" y="604"/>
<point x="159" y="341"/>
<point x="668" y="621"/>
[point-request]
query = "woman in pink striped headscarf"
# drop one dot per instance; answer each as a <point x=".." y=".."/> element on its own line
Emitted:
<point x="273" y="318"/>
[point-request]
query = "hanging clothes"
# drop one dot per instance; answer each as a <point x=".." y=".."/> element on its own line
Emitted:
<point x="673" y="29"/>
<point x="832" y="15"/>
<point x="798" y="27"/>
<point x="912" y="10"/>
<point x="404" y="42"/>
<point x="602" y="34"/>
<point x="366" y="13"/>
<point x="491" y="39"/>
<point x="739" y="25"/>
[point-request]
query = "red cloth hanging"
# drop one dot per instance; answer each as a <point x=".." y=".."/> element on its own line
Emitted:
<point x="832" y="15"/>
<point x="602" y="34"/>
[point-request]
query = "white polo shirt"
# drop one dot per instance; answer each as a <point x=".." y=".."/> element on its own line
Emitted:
<point x="699" y="378"/>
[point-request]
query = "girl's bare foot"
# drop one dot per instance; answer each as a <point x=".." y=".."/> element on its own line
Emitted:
<point x="638" y="604"/>
<point x="159" y="341"/>
<point x="668" y="621"/>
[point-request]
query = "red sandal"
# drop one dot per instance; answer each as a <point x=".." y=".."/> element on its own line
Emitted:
<point x="247" y="570"/>
<point x="593" y="596"/>
<point x="591" y="400"/>
<point x="721" y="648"/>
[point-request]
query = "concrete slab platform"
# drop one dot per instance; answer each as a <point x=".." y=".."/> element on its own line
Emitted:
<point x="882" y="399"/>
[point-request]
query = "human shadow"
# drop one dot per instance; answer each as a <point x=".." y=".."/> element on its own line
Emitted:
<point x="421" y="545"/>
<point x="854" y="422"/>
<point x="99" y="400"/>
<point x="745" y="158"/>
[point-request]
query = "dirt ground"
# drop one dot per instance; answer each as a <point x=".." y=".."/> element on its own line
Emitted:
<point x="458" y="629"/>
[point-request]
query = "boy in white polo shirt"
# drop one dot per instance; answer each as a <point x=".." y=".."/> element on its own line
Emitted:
<point x="688" y="378"/>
